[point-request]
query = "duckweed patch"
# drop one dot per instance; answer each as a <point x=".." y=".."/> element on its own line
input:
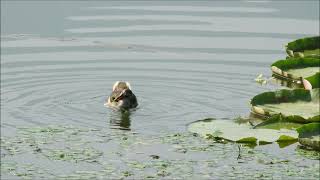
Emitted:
<point x="7" y="167"/>
<point x="309" y="135"/>
<point x="307" y="153"/>
<point x="75" y="155"/>
<point x="127" y="173"/>
<point x="82" y="175"/>
<point x="116" y="154"/>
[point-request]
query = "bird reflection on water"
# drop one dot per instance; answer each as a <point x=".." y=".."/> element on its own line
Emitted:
<point x="120" y="120"/>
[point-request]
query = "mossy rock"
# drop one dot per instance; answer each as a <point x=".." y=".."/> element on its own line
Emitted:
<point x="298" y="105"/>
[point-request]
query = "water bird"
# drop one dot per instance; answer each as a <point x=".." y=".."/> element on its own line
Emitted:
<point x="122" y="96"/>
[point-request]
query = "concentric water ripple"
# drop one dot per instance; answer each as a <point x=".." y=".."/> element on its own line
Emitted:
<point x="184" y="63"/>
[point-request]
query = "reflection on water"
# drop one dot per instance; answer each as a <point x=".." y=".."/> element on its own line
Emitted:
<point x="186" y="61"/>
<point x="120" y="119"/>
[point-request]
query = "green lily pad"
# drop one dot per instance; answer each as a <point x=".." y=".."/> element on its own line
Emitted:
<point x="308" y="43"/>
<point x="314" y="80"/>
<point x="294" y="69"/>
<point x="278" y="122"/>
<point x="309" y="135"/>
<point x="285" y="82"/>
<point x="304" y="72"/>
<point x="312" y="53"/>
<point x="296" y="105"/>
<point x="307" y="46"/>
<point x="242" y="133"/>
<point x="297" y="63"/>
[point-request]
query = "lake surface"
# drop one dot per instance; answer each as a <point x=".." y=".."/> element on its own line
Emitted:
<point x="185" y="61"/>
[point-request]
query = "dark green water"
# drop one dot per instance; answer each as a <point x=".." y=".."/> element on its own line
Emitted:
<point x="185" y="61"/>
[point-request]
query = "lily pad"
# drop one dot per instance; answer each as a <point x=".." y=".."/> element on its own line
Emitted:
<point x="294" y="69"/>
<point x="309" y="135"/>
<point x="296" y="105"/>
<point x="242" y="133"/>
<point x="275" y="80"/>
<point x="307" y="46"/>
<point x="314" y="80"/>
<point x="278" y="122"/>
<point x="312" y="53"/>
<point x="304" y="72"/>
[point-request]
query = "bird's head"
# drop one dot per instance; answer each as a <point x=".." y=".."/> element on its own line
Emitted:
<point x="122" y="96"/>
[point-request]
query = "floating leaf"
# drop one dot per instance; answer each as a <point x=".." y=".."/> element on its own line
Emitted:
<point x="243" y="133"/>
<point x="314" y="80"/>
<point x="309" y="46"/>
<point x="308" y="43"/>
<point x="296" y="105"/>
<point x="304" y="72"/>
<point x="278" y="122"/>
<point x="296" y="63"/>
<point x="309" y="135"/>
<point x="312" y="53"/>
<point x="294" y="69"/>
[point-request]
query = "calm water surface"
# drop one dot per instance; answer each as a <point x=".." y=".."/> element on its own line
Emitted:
<point x="185" y="61"/>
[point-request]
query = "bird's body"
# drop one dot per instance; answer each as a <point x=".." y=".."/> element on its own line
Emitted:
<point x="122" y="96"/>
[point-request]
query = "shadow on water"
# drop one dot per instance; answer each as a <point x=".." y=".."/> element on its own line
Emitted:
<point x="120" y="119"/>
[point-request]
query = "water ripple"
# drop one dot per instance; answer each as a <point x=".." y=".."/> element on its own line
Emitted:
<point x="181" y="67"/>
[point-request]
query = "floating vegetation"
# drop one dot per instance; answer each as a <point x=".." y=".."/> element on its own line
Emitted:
<point x="83" y="175"/>
<point x="242" y="133"/>
<point x="307" y="153"/>
<point x="136" y="165"/>
<point x="194" y="156"/>
<point x="309" y="135"/>
<point x="127" y="173"/>
<point x="304" y="47"/>
<point x="73" y="154"/>
<point x="296" y="69"/>
<point x="301" y="105"/>
<point x="302" y="63"/>
<point x="315" y="80"/>
<point x="304" y="72"/>
<point x="7" y="167"/>
<point x="290" y="108"/>
<point x="312" y="53"/>
<point x="278" y="122"/>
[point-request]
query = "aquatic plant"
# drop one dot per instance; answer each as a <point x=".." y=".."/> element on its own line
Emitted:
<point x="309" y="135"/>
<point x="309" y="46"/>
<point x="297" y="105"/>
<point x="296" y="69"/>
<point x="242" y="133"/>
